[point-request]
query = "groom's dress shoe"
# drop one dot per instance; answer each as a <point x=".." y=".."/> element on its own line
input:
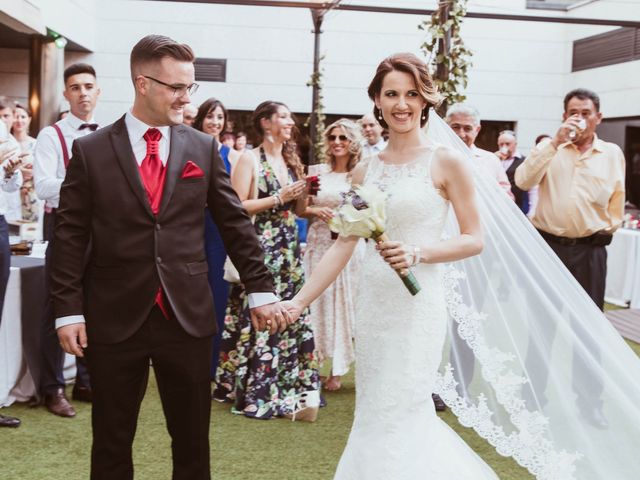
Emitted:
<point x="438" y="402"/>
<point x="595" y="417"/>
<point x="81" y="393"/>
<point x="58" y="404"/>
<point x="10" y="422"/>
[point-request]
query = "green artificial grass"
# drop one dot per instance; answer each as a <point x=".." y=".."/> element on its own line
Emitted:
<point x="48" y="447"/>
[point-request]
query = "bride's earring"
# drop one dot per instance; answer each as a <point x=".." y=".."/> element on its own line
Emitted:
<point x="424" y="114"/>
<point x="379" y="114"/>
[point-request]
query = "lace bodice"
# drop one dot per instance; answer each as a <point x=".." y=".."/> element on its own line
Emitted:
<point x="416" y="211"/>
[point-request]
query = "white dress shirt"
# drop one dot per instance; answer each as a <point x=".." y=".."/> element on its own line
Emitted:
<point x="14" y="183"/>
<point x="371" y="150"/>
<point x="136" y="129"/>
<point x="48" y="160"/>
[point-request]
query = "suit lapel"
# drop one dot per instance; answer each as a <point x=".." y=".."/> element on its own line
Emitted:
<point x="175" y="164"/>
<point x="124" y="153"/>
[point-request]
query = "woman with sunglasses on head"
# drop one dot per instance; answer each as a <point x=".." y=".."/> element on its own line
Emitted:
<point x="211" y="119"/>
<point x="270" y="375"/>
<point x="332" y="314"/>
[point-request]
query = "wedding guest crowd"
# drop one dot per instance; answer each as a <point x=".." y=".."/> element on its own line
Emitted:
<point x="277" y="375"/>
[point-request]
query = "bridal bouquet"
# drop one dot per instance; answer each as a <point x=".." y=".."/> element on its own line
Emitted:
<point x="362" y="214"/>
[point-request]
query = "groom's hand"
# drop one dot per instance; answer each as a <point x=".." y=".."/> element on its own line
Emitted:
<point x="73" y="338"/>
<point x="272" y="317"/>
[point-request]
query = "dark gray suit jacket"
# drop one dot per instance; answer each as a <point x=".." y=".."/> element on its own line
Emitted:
<point x="133" y="252"/>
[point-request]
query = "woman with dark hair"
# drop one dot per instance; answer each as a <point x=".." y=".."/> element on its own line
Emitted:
<point x="270" y="376"/>
<point x="211" y="119"/>
<point x="332" y="314"/>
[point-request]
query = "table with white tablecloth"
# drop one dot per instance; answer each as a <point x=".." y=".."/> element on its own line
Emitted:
<point x="20" y="332"/>
<point x="623" y="269"/>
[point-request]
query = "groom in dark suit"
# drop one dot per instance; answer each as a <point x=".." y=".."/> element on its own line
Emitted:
<point x="134" y="196"/>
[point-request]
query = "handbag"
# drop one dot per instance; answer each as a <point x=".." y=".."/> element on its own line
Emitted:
<point x="231" y="273"/>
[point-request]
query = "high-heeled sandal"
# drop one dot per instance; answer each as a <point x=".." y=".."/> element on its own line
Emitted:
<point x="306" y="406"/>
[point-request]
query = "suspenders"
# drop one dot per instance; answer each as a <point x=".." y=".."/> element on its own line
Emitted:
<point x="63" y="144"/>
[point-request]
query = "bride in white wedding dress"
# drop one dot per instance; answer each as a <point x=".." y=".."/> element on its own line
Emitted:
<point x="396" y="433"/>
<point x="487" y="273"/>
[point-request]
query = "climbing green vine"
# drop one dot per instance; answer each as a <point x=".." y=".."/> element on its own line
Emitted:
<point x="317" y="143"/>
<point x="445" y="50"/>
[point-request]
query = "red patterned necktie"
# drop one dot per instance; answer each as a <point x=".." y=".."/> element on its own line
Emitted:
<point x="153" y="176"/>
<point x="152" y="170"/>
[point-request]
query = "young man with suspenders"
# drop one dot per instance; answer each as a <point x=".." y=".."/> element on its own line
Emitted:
<point x="51" y="157"/>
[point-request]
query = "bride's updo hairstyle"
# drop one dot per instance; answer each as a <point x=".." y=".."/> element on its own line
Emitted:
<point x="411" y="64"/>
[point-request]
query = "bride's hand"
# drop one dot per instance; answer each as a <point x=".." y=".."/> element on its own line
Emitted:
<point x="396" y="254"/>
<point x="294" y="309"/>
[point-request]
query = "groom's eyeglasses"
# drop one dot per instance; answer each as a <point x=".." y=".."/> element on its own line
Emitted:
<point x="333" y="138"/>
<point x="178" y="90"/>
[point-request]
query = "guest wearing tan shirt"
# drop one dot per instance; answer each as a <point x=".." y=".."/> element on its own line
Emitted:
<point x="580" y="205"/>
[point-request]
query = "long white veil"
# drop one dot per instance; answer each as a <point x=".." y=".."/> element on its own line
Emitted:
<point x="528" y="351"/>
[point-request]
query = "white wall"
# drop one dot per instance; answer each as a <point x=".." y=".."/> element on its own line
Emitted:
<point x="521" y="70"/>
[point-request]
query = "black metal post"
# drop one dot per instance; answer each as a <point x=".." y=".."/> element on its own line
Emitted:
<point x="317" y="16"/>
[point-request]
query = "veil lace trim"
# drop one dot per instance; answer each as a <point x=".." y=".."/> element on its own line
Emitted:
<point x="529" y="443"/>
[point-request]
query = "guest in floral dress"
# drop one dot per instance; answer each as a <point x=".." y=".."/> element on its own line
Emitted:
<point x="333" y="312"/>
<point x="265" y="376"/>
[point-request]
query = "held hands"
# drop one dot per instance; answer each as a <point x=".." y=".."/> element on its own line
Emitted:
<point x="398" y="255"/>
<point x="73" y="338"/>
<point x="272" y="317"/>
<point x="293" y="191"/>
<point x="294" y="309"/>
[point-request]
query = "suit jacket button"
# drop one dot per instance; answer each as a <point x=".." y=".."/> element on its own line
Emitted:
<point x="158" y="260"/>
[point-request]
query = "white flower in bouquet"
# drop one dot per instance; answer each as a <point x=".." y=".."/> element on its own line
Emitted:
<point x="362" y="214"/>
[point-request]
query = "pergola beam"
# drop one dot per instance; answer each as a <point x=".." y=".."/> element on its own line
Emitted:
<point x="418" y="12"/>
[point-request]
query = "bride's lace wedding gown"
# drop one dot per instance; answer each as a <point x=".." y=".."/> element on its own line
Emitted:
<point x="396" y="434"/>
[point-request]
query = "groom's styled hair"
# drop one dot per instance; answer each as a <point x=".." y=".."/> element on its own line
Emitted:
<point x="411" y="64"/>
<point x="154" y="48"/>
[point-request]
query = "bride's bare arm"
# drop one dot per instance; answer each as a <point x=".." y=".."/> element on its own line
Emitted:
<point x="451" y="175"/>
<point x="329" y="267"/>
<point x="324" y="274"/>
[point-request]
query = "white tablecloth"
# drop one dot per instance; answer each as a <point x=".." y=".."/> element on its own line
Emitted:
<point x="16" y="383"/>
<point x="623" y="269"/>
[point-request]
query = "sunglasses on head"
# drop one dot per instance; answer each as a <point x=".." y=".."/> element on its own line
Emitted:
<point x="342" y="138"/>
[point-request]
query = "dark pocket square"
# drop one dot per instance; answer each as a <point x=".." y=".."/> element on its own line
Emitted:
<point x="191" y="170"/>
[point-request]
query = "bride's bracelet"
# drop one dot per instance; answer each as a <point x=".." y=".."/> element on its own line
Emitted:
<point x="416" y="256"/>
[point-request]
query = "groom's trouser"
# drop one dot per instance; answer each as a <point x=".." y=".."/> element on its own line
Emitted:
<point x="119" y="375"/>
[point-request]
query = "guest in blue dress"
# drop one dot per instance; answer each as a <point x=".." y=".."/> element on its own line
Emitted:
<point x="211" y="119"/>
